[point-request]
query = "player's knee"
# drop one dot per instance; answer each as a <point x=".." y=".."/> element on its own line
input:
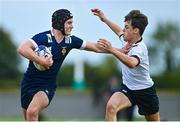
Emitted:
<point x="111" y="108"/>
<point x="32" y="112"/>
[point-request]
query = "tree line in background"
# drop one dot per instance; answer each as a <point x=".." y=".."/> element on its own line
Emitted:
<point x="166" y="42"/>
<point x="9" y="59"/>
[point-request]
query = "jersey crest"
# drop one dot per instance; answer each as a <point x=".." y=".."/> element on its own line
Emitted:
<point x="64" y="51"/>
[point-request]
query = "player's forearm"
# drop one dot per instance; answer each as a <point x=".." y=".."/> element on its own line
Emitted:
<point x="28" y="53"/>
<point x="121" y="50"/>
<point x="114" y="27"/>
<point x="94" y="47"/>
<point x="97" y="49"/>
<point x="125" y="59"/>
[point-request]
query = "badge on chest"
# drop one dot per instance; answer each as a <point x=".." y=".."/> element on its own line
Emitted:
<point x="64" y="51"/>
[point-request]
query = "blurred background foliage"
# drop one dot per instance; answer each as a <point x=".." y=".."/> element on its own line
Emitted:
<point x="9" y="60"/>
<point x="166" y="40"/>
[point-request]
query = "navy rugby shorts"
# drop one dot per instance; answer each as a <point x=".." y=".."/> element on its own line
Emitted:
<point x="28" y="93"/>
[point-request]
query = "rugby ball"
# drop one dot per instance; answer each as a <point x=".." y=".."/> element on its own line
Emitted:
<point x="41" y="51"/>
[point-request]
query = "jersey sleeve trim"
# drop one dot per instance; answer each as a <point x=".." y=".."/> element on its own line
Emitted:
<point x="33" y="42"/>
<point x="83" y="45"/>
<point x="135" y="56"/>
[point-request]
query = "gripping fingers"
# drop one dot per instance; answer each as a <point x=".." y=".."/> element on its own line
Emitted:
<point x="105" y="43"/>
<point x="50" y="61"/>
<point x="101" y="44"/>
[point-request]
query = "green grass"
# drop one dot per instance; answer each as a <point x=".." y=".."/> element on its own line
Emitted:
<point x="10" y="119"/>
<point x="59" y="90"/>
<point x="13" y="118"/>
<point x="71" y="91"/>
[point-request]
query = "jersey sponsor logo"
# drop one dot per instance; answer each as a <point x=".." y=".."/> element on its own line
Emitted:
<point x="68" y="40"/>
<point x="64" y="51"/>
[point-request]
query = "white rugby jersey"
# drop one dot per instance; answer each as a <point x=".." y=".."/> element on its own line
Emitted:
<point x="137" y="78"/>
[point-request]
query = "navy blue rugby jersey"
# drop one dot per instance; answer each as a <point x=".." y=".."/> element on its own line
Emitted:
<point x="59" y="51"/>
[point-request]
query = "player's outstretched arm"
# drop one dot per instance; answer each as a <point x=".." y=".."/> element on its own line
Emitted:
<point x="27" y="50"/>
<point x="131" y="62"/>
<point x="90" y="46"/>
<point x="114" y="27"/>
<point x="95" y="47"/>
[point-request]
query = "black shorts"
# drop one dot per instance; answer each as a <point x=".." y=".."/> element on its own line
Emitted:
<point x="146" y="99"/>
<point x="28" y="93"/>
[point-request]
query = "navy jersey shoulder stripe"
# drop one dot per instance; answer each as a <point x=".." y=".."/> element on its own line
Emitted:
<point x="41" y="38"/>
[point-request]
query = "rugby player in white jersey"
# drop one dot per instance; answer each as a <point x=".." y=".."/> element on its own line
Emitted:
<point x="137" y="87"/>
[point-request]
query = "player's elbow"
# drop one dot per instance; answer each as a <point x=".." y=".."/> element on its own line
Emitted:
<point x="131" y="65"/>
<point x="20" y="49"/>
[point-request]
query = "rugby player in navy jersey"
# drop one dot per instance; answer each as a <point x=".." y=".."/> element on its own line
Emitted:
<point x="137" y="87"/>
<point x="38" y="87"/>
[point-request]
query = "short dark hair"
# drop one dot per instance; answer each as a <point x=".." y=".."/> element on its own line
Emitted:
<point x="138" y="20"/>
